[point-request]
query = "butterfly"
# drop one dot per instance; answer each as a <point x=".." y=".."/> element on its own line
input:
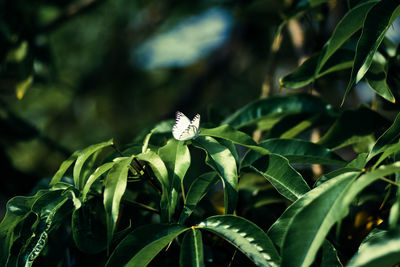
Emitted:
<point x="184" y="129"/>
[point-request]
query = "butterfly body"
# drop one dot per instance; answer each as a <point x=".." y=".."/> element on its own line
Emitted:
<point x="185" y="129"/>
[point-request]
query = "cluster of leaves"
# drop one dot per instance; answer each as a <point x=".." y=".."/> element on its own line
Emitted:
<point x="158" y="171"/>
<point x="126" y="206"/>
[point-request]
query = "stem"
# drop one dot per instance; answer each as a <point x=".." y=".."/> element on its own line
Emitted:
<point x="70" y="12"/>
<point x="389" y="181"/>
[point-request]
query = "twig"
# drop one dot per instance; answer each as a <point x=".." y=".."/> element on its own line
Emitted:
<point x="70" y="12"/>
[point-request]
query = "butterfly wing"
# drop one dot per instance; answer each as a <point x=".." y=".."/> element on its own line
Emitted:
<point x="182" y="124"/>
<point x="196" y="122"/>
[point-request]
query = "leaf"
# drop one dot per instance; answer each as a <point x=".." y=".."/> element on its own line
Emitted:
<point x="176" y="157"/>
<point x="221" y="160"/>
<point x="280" y="228"/>
<point x="63" y="168"/>
<point x="45" y="207"/>
<point x="198" y="189"/>
<point x="94" y="176"/>
<point x="297" y="151"/>
<point x="389" y="150"/>
<point x="227" y="132"/>
<point x="347" y="26"/>
<point x="273" y="108"/>
<point x="324" y="205"/>
<point x="18" y="209"/>
<point x="89" y="229"/>
<point x="192" y="250"/>
<point x="281" y="175"/>
<point x="114" y="188"/>
<point x="307" y="72"/>
<point x="82" y="157"/>
<point x="390" y="136"/>
<point x="329" y="256"/>
<point x="352" y="123"/>
<point x="383" y="249"/>
<point x="143" y="244"/>
<point x="376" y="78"/>
<point x="161" y="173"/>
<point x="376" y="24"/>
<point x="245" y="236"/>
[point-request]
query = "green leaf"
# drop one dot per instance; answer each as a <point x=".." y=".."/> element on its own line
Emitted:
<point x="82" y="157"/>
<point x="45" y="207"/>
<point x="94" y="176"/>
<point x="227" y="132"/>
<point x="307" y="72"/>
<point x="198" y="189"/>
<point x="389" y="150"/>
<point x="376" y="78"/>
<point x="114" y="188"/>
<point x="272" y="109"/>
<point x="347" y="26"/>
<point x="18" y="209"/>
<point x="143" y="244"/>
<point x="329" y="256"/>
<point x="89" y="229"/>
<point x="221" y="160"/>
<point x="324" y="205"/>
<point x="351" y="125"/>
<point x="63" y="168"/>
<point x="176" y="157"/>
<point x="382" y="249"/>
<point x="376" y="24"/>
<point x="161" y="173"/>
<point x="390" y="136"/>
<point x="277" y="170"/>
<point x="297" y="151"/>
<point x="192" y="250"/>
<point x="244" y="235"/>
<point x="280" y="228"/>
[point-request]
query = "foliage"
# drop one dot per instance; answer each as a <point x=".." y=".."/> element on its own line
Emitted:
<point x="222" y="198"/>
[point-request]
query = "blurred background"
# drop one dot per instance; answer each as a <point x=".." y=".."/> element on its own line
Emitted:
<point x="73" y="73"/>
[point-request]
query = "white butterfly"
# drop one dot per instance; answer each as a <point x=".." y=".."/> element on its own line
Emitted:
<point x="184" y="129"/>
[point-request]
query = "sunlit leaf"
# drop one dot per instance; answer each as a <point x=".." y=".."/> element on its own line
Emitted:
<point x="347" y="26"/>
<point x="160" y="171"/>
<point x="390" y="136"/>
<point x="274" y="108"/>
<point x="324" y="205"/>
<point x="244" y="235"/>
<point x="277" y="170"/>
<point x="307" y="72"/>
<point x="376" y="78"/>
<point x="82" y="157"/>
<point x="94" y="176"/>
<point x="332" y="188"/>
<point x="114" y="188"/>
<point x="237" y="137"/>
<point x="382" y="249"/>
<point x="176" y="157"/>
<point x="377" y="22"/>
<point x="221" y="160"/>
<point x="63" y="168"/>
